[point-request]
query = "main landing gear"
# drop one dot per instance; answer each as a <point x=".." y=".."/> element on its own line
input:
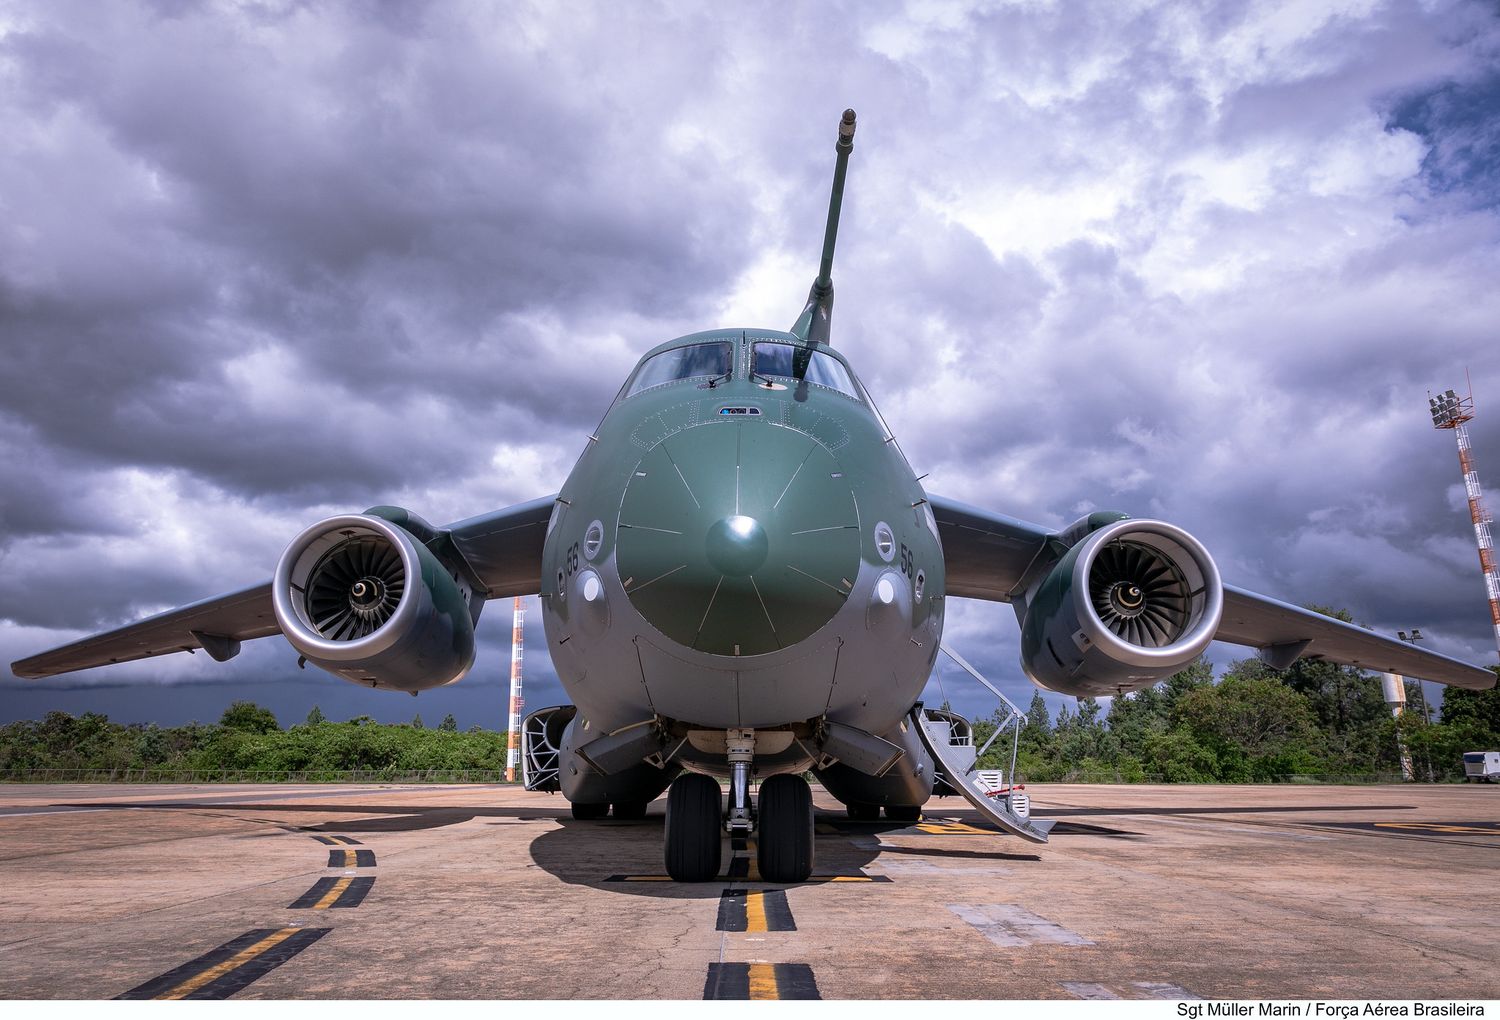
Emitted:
<point x="696" y="820"/>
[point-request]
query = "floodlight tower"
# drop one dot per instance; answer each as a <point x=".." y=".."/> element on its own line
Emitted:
<point x="1412" y="639"/>
<point x="517" y="645"/>
<point x="1451" y="411"/>
<point x="1394" y="686"/>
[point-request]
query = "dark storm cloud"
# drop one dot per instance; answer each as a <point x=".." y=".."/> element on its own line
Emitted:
<point x="265" y="263"/>
<point x="1275" y="409"/>
<point x="381" y="217"/>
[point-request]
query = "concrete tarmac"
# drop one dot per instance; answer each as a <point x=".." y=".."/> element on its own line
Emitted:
<point x="356" y="892"/>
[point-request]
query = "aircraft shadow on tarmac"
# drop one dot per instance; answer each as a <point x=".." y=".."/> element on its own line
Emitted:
<point x="379" y="817"/>
<point x="631" y="862"/>
<point x="625" y="856"/>
<point x="1058" y="812"/>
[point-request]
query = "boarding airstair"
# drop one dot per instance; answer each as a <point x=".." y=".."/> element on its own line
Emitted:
<point x="994" y="793"/>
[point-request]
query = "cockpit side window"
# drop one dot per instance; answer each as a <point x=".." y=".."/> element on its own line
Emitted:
<point x="700" y="361"/>
<point x="775" y="360"/>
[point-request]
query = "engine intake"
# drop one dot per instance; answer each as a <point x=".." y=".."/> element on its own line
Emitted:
<point x="1128" y="605"/>
<point x="360" y="597"/>
<point x="355" y="588"/>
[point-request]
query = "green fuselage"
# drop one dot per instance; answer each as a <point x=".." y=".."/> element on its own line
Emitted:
<point x="742" y="550"/>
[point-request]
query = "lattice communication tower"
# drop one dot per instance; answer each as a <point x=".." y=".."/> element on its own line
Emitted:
<point x="1451" y="411"/>
<point x="517" y="645"/>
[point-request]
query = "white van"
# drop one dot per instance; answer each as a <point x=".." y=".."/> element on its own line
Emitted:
<point x="1482" y="766"/>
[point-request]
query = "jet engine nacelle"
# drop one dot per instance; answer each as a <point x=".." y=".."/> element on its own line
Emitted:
<point x="1128" y="605"/>
<point x="361" y="597"/>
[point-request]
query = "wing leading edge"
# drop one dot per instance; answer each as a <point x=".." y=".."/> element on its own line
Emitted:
<point x="986" y="555"/>
<point x="502" y="549"/>
<point x="216" y="624"/>
<point x="994" y="557"/>
<point x="1286" y="632"/>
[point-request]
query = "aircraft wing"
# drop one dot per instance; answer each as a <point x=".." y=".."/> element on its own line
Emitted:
<point x="1267" y="623"/>
<point x="987" y="555"/>
<point x="502" y="548"/>
<point x="219" y="624"/>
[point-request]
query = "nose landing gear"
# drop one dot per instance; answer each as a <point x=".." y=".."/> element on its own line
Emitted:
<point x="694" y="811"/>
<point x="740" y="745"/>
<point x="696" y="820"/>
<point x="784" y="849"/>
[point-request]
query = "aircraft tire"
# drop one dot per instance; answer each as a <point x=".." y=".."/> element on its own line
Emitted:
<point x="903" y="813"/>
<point x="630" y="809"/>
<point x="694" y="814"/>
<point x="588" y="812"/>
<point x="863" y="812"/>
<point x="784" y="850"/>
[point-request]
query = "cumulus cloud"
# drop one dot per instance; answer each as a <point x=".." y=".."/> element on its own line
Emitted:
<point x="268" y="261"/>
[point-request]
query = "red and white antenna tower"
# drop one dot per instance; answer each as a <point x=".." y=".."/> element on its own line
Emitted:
<point x="517" y="644"/>
<point x="1451" y="411"/>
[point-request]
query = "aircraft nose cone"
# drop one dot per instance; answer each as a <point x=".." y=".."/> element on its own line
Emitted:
<point x="738" y="538"/>
<point x="737" y="545"/>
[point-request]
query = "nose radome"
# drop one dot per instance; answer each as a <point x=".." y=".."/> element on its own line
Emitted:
<point x="737" y="545"/>
<point x="738" y="538"/>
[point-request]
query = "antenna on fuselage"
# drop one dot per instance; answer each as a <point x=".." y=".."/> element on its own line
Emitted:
<point x="812" y="325"/>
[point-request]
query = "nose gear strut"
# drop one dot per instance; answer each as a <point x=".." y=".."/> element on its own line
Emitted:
<point x="741" y="747"/>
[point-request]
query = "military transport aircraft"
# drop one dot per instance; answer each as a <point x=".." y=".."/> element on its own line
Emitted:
<point x="743" y="577"/>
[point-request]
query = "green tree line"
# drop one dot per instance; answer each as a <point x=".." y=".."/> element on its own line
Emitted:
<point x="247" y="738"/>
<point x="1252" y="724"/>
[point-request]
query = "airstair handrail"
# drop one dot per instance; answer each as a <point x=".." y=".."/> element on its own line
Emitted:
<point x="963" y="663"/>
<point x="1016" y="716"/>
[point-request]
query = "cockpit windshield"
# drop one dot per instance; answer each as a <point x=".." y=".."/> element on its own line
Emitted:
<point x="696" y="362"/>
<point x="775" y="360"/>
